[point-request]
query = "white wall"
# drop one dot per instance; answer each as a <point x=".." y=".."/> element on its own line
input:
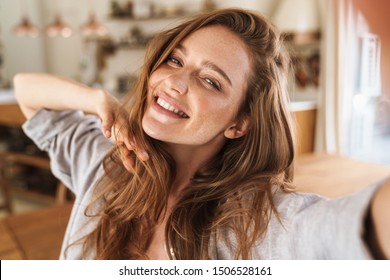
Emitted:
<point x="21" y="54"/>
<point x="63" y="56"/>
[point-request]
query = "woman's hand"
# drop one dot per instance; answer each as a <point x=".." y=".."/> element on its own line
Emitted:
<point x="71" y="95"/>
<point x="115" y="126"/>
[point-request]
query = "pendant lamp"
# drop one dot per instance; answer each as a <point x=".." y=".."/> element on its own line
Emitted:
<point x="58" y="27"/>
<point x="25" y="27"/>
<point x="93" y="28"/>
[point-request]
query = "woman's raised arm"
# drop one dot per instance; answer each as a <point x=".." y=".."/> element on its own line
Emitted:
<point x="38" y="90"/>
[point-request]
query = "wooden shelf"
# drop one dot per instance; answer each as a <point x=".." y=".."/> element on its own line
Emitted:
<point x="153" y="18"/>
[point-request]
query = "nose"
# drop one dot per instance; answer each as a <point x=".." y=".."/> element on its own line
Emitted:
<point x="178" y="82"/>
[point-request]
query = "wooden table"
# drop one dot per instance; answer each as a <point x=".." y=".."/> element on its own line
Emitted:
<point x="39" y="234"/>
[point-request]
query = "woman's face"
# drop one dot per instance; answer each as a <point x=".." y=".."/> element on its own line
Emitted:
<point x="195" y="95"/>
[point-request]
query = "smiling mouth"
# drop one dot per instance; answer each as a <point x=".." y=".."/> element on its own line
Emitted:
<point x="170" y="108"/>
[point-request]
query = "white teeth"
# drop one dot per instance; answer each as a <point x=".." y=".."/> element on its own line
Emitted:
<point x="169" y="107"/>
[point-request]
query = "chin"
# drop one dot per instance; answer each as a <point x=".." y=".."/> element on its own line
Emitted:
<point x="150" y="130"/>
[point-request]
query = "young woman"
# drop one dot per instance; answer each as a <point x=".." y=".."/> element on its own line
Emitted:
<point x="210" y="109"/>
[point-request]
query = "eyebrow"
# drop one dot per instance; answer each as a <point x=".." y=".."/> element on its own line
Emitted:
<point x="209" y="65"/>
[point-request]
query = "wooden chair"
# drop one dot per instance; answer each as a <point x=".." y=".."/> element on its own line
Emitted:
<point x="61" y="196"/>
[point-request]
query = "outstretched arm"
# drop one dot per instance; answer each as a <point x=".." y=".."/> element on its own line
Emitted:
<point x="380" y="222"/>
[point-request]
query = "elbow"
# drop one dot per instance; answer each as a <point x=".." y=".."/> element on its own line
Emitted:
<point x="18" y="82"/>
<point x="21" y="91"/>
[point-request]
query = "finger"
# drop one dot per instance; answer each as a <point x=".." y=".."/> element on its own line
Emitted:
<point x="141" y="153"/>
<point x="128" y="158"/>
<point x="116" y="136"/>
<point x="119" y="134"/>
<point x="129" y="163"/>
<point x="107" y="125"/>
<point x="122" y="138"/>
<point x="121" y="126"/>
<point x="106" y="133"/>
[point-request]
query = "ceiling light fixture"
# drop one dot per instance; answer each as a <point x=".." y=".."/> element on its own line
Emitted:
<point x="58" y="27"/>
<point x="25" y="27"/>
<point x="93" y="27"/>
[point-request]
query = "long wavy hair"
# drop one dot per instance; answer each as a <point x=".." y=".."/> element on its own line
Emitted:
<point x="233" y="192"/>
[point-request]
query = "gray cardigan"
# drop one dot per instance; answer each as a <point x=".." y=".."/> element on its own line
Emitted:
<point x="313" y="227"/>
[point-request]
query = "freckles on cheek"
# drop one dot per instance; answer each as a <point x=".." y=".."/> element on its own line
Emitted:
<point x="217" y="119"/>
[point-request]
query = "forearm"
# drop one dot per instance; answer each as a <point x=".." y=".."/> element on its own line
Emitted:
<point x="37" y="90"/>
<point x="380" y="215"/>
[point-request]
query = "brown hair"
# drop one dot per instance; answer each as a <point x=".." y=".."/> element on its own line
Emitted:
<point x="233" y="193"/>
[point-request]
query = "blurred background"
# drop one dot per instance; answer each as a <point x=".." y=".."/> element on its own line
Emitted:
<point x="339" y="92"/>
<point x="339" y="89"/>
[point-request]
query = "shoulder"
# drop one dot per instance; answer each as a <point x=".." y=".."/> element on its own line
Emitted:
<point x="291" y="203"/>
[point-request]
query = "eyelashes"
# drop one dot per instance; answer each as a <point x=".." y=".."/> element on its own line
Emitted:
<point x="174" y="61"/>
<point x="208" y="81"/>
<point x="212" y="83"/>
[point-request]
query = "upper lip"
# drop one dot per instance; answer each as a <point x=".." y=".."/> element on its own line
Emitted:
<point x="171" y="101"/>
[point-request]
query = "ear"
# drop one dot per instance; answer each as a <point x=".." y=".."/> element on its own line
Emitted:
<point x="238" y="129"/>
